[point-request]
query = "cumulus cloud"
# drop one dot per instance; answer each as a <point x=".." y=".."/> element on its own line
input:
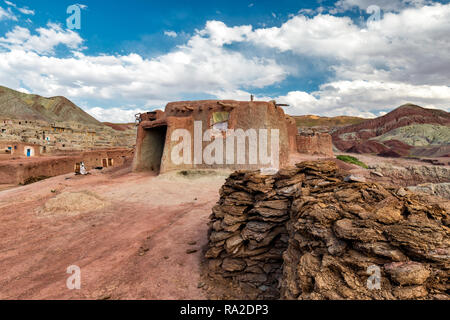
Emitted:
<point x="200" y="66"/>
<point x="44" y="42"/>
<point x="395" y="49"/>
<point x="364" y="98"/>
<point x="403" y="58"/>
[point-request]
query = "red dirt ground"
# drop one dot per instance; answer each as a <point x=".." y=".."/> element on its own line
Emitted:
<point x="133" y="248"/>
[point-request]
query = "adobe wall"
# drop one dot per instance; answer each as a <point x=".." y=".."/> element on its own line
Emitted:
<point x="19" y="171"/>
<point x="18" y="149"/>
<point x="292" y="133"/>
<point x="243" y="115"/>
<point x="319" y="143"/>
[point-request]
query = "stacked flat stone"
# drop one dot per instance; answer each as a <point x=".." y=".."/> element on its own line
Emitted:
<point x="248" y="226"/>
<point x="358" y="240"/>
<point x="307" y="233"/>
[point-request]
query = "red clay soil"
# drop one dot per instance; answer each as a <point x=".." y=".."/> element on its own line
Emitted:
<point x="135" y="247"/>
<point x="368" y="147"/>
<point x="400" y="147"/>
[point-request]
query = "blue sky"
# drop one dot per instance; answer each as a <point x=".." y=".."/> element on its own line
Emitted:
<point x="321" y="57"/>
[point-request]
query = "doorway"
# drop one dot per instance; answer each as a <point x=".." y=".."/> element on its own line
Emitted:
<point x="152" y="149"/>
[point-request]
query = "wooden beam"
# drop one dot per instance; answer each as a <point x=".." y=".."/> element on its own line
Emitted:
<point x="220" y="103"/>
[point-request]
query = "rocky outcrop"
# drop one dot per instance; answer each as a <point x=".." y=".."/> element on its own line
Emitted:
<point x="435" y="189"/>
<point x="306" y="233"/>
<point x="412" y="175"/>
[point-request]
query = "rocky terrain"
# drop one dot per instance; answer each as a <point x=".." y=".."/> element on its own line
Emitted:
<point x="312" y="232"/>
<point x="411" y="175"/>
<point x="18" y="105"/>
<point x="408" y="130"/>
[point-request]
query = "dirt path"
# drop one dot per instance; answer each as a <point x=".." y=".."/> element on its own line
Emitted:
<point x="134" y="247"/>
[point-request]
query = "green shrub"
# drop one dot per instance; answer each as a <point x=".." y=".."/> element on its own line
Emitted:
<point x="352" y="160"/>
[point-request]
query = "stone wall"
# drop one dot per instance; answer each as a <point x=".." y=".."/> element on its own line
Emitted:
<point x="248" y="230"/>
<point x="307" y="233"/>
<point x="319" y="143"/>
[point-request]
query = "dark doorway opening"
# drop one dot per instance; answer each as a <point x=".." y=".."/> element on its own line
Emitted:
<point x="153" y="148"/>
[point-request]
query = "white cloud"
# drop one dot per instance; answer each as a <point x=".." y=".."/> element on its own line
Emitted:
<point x="404" y="59"/>
<point x="171" y="34"/>
<point x="114" y="115"/>
<point x="201" y="66"/>
<point x="7" y="15"/>
<point x="24" y="10"/>
<point x="364" y="98"/>
<point x="45" y="42"/>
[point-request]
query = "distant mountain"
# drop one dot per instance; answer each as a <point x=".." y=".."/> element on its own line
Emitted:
<point x="120" y="126"/>
<point x="397" y="133"/>
<point x="18" y="105"/>
<point x="311" y="121"/>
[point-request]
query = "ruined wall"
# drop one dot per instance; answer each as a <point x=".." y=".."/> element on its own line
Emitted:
<point x="19" y="171"/>
<point x="306" y="233"/>
<point x="319" y="143"/>
<point x="292" y="133"/>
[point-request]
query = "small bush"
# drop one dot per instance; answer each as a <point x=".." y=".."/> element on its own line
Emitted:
<point x="352" y="160"/>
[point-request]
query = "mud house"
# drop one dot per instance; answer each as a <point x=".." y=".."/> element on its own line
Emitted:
<point x="213" y="134"/>
<point x="20" y="149"/>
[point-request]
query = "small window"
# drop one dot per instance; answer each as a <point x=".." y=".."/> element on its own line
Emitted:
<point x="220" y="121"/>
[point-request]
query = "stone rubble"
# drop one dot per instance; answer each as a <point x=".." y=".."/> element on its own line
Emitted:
<point x="306" y="233"/>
